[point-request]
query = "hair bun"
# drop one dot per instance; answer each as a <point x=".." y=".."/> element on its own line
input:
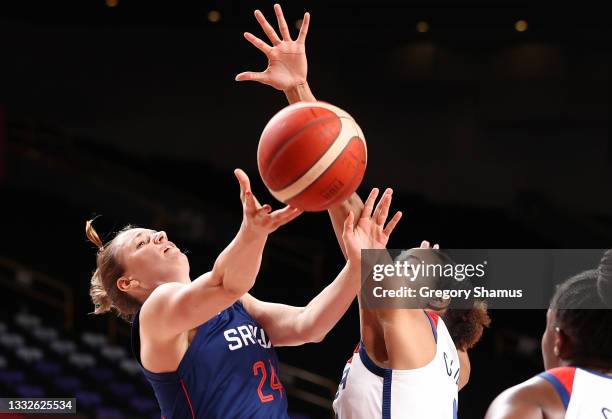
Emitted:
<point x="604" y="278"/>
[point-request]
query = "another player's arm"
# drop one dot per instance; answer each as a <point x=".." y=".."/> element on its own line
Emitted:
<point x="291" y="326"/>
<point x="175" y="307"/>
<point x="287" y="325"/>
<point x="287" y="71"/>
<point x="354" y="204"/>
<point x="528" y="400"/>
<point x="466" y="368"/>
<point x="337" y="213"/>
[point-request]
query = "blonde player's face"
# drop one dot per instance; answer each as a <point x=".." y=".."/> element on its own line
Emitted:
<point x="551" y="360"/>
<point x="151" y="259"/>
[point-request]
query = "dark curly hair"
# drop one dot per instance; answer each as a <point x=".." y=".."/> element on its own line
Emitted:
<point x="583" y="310"/>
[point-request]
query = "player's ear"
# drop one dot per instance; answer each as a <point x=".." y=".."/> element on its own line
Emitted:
<point x="563" y="347"/>
<point x="125" y="283"/>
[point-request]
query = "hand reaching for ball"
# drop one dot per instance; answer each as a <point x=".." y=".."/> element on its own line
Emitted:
<point x="369" y="231"/>
<point x="259" y="219"/>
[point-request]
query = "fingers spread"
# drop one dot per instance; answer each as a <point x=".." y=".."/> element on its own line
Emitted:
<point x="391" y="225"/>
<point x="257" y="43"/>
<point x="296" y="213"/>
<point x="243" y="180"/>
<point x="249" y="203"/>
<point x="282" y="23"/>
<point x="369" y="204"/>
<point x="304" y="28"/>
<point x="284" y="215"/>
<point x="251" y="75"/>
<point x="382" y="208"/>
<point x="267" y="28"/>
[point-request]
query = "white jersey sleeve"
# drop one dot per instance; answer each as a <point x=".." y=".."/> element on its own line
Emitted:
<point x="369" y="391"/>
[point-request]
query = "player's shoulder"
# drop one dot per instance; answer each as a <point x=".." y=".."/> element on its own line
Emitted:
<point x="251" y="305"/>
<point x="249" y="302"/>
<point x="154" y="306"/>
<point x="561" y="378"/>
<point x="531" y="398"/>
<point x="161" y="294"/>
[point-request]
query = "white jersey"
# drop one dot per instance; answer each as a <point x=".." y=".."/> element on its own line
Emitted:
<point x="584" y="393"/>
<point x="368" y="391"/>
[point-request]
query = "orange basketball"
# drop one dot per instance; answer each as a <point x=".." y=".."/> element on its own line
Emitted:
<point x="312" y="155"/>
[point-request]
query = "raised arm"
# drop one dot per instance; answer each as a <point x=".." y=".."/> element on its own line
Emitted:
<point x="175" y="307"/>
<point x="287" y="325"/>
<point x="287" y="70"/>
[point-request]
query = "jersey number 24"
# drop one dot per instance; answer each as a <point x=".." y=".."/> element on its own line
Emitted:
<point x="259" y="369"/>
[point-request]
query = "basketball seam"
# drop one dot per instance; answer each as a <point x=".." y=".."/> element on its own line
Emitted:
<point x="286" y="144"/>
<point x="284" y="196"/>
<point x="326" y="169"/>
<point x="324" y="105"/>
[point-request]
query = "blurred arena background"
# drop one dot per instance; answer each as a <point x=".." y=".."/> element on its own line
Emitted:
<point x="491" y="122"/>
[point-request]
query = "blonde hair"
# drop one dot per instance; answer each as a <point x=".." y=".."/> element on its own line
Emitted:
<point x="103" y="288"/>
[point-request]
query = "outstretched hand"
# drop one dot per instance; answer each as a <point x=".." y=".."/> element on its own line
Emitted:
<point x="287" y="64"/>
<point x="370" y="231"/>
<point x="260" y="219"/>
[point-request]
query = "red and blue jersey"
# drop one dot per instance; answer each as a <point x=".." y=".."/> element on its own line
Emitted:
<point x="230" y="370"/>
<point x="368" y="391"/>
<point x="584" y="393"/>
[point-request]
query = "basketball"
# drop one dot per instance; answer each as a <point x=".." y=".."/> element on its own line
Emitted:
<point x="312" y="155"/>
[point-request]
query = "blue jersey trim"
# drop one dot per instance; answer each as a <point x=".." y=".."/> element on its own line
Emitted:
<point x="386" y="396"/>
<point x="385" y="373"/>
<point x="433" y="326"/>
<point x="369" y="364"/>
<point x="565" y="397"/>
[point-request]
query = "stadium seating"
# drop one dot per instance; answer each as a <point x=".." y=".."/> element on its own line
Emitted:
<point x="37" y="360"/>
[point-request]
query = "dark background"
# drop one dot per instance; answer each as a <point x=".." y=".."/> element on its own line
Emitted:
<point x="490" y="137"/>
